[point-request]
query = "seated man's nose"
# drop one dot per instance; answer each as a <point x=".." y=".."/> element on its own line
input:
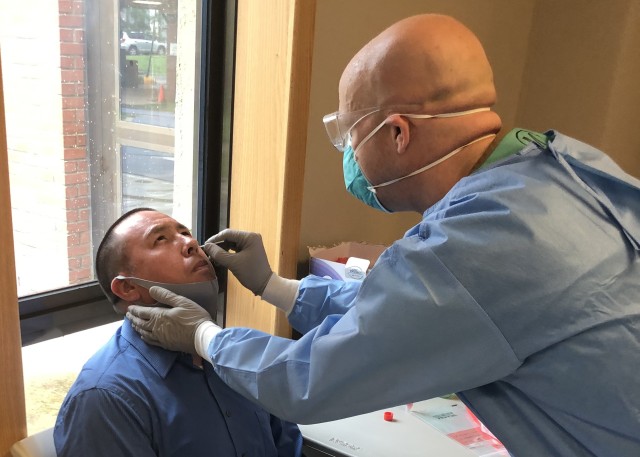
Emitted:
<point x="191" y="246"/>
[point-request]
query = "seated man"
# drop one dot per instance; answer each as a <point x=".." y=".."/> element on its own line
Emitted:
<point x="135" y="399"/>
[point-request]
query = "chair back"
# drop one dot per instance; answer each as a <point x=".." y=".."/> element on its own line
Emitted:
<point x="37" y="445"/>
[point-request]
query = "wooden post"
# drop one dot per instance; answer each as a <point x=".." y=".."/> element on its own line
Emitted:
<point x="13" y="422"/>
<point x="274" y="51"/>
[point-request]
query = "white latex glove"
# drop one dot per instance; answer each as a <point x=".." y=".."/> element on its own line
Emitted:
<point x="172" y="328"/>
<point x="249" y="261"/>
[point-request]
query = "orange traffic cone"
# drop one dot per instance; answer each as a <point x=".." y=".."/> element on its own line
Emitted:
<point x="161" y="94"/>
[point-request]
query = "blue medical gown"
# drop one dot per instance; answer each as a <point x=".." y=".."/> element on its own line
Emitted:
<point x="520" y="290"/>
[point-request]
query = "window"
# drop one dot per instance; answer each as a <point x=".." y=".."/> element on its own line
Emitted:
<point x="110" y="105"/>
<point x="105" y="112"/>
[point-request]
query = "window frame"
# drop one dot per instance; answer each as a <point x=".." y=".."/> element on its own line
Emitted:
<point x="66" y="310"/>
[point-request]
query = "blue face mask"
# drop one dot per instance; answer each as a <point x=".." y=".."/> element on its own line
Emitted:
<point x="203" y="293"/>
<point x="356" y="183"/>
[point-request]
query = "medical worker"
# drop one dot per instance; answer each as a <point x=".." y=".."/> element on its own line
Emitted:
<point x="519" y="289"/>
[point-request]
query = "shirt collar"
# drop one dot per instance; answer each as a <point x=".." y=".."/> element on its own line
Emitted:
<point x="160" y="359"/>
<point x="513" y="142"/>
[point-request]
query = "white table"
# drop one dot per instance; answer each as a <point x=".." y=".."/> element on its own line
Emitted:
<point x="369" y="435"/>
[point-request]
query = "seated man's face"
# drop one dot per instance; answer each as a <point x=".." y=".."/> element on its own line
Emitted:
<point x="161" y="249"/>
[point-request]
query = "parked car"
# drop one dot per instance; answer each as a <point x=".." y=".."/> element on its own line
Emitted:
<point x="135" y="43"/>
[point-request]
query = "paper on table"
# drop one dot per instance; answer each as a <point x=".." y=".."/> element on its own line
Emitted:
<point x="455" y="420"/>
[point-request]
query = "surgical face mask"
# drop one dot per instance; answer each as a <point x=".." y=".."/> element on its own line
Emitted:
<point x="360" y="187"/>
<point x="204" y="293"/>
<point x="356" y="183"/>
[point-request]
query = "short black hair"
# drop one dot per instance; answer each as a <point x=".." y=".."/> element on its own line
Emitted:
<point x="111" y="256"/>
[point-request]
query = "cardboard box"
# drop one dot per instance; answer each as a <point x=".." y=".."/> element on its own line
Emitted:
<point x="348" y="261"/>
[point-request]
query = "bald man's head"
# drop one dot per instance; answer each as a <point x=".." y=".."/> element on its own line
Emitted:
<point x="430" y="59"/>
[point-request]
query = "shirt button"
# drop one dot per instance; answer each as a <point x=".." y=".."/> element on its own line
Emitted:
<point x="228" y="413"/>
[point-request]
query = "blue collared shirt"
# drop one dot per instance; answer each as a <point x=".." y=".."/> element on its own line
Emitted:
<point x="134" y="399"/>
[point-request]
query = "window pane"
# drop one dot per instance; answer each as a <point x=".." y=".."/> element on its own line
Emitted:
<point x="101" y="108"/>
<point x="147" y="179"/>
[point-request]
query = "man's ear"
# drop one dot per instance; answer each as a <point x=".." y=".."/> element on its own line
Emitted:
<point x="401" y="131"/>
<point x="125" y="290"/>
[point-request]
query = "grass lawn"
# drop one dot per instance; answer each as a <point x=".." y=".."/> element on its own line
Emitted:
<point x="158" y="64"/>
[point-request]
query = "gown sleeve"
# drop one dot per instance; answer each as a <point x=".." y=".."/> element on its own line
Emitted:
<point x="410" y="332"/>
<point x="320" y="297"/>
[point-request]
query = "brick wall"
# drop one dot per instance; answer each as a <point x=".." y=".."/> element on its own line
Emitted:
<point x="76" y="160"/>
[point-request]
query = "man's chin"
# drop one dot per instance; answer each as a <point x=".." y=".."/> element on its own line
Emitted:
<point x="203" y="274"/>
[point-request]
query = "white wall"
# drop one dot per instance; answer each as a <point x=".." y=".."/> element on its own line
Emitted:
<point x="33" y="109"/>
<point x="582" y="75"/>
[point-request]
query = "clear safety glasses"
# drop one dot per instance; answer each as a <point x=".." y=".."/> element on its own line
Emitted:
<point x="339" y="125"/>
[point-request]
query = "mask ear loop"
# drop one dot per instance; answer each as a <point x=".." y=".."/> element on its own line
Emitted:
<point x="137" y="282"/>
<point x="366" y="138"/>
<point x="415" y="116"/>
<point x="431" y="165"/>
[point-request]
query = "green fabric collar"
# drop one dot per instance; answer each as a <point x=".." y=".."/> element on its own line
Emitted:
<point x="513" y="142"/>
